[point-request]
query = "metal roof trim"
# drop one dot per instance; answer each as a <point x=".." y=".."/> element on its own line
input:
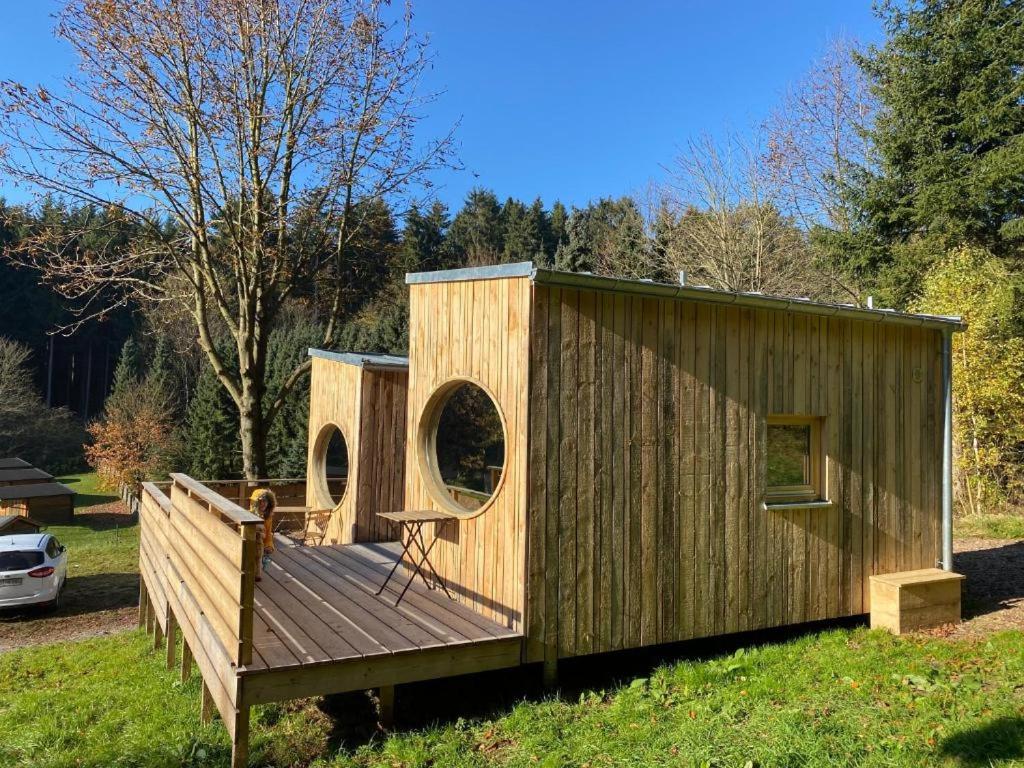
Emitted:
<point x="519" y="269"/>
<point x="361" y="360"/>
<point x="715" y="296"/>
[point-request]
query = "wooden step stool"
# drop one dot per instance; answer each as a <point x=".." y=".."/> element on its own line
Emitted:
<point x="903" y="602"/>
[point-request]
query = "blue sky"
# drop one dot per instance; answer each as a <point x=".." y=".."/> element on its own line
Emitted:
<point x="567" y="100"/>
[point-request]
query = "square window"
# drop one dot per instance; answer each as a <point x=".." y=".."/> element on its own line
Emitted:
<point x="793" y="461"/>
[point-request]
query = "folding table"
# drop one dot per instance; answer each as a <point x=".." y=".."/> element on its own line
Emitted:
<point x="412" y="522"/>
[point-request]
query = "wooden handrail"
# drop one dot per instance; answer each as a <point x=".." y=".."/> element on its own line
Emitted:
<point x="228" y="509"/>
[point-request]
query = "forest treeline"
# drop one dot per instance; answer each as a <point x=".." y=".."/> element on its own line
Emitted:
<point x="893" y="171"/>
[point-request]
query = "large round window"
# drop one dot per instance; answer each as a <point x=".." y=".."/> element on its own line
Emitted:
<point x="462" y="446"/>
<point x="332" y="464"/>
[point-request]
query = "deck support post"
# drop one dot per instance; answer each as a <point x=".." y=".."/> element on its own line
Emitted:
<point x="150" y="617"/>
<point x="206" y="706"/>
<point x="240" y="741"/>
<point x="186" y="661"/>
<point x="143" y="600"/>
<point x="550" y="669"/>
<point x="158" y="634"/>
<point x="171" y="629"/>
<point x="386" y="702"/>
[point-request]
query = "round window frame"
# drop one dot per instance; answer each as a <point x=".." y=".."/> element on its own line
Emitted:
<point x="426" y="447"/>
<point x="321" y="490"/>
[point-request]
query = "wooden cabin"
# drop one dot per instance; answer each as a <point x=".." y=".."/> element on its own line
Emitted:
<point x="653" y="463"/>
<point x="357" y="442"/>
<point x="47" y="502"/>
<point x="24" y="476"/>
<point x="11" y="525"/>
<point x="651" y="490"/>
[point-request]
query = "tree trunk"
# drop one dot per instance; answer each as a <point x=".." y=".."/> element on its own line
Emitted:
<point x="252" y="431"/>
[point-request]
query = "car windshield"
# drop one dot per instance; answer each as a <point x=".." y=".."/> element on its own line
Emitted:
<point x="20" y="561"/>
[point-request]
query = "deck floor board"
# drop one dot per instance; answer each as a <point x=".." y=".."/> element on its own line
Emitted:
<point x="316" y="605"/>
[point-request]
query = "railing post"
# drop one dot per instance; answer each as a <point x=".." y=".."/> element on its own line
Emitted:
<point x="251" y="552"/>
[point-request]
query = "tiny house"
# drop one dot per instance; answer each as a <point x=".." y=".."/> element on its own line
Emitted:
<point x="356" y="433"/>
<point x="610" y="464"/>
<point x="680" y="462"/>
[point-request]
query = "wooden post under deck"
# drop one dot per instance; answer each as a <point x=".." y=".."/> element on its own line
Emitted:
<point x="550" y="668"/>
<point x="143" y="600"/>
<point x="240" y="741"/>
<point x="171" y="629"/>
<point x="206" y="706"/>
<point x="158" y="634"/>
<point x="386" y="700"/>
<point x="186" y="661"/>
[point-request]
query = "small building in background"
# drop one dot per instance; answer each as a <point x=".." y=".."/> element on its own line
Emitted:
<point x="11" y="525"/>
<point x="51" y="502"/>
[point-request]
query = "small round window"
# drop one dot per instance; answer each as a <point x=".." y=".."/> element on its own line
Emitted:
<point x="333" y="452"/>
<point x="465" y="441"/>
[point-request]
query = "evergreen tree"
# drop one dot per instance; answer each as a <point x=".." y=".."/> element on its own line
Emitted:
<point x="607" y="237"/>
<point x="948" y="140"/>
<point x="424" y="240"/>
<point x="476" y="232"/>
<point x="544" y="254"/>
<point x="523" y="236"/>
<point x="288" y="436"/>
<point x="576" y="252"/>
<point x="129" y="368"/>
<point x="557" y="231"/>
<point x="211" y="434"/>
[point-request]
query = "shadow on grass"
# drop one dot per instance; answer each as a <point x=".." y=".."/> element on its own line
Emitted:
<point x="1001" y="739"/>
<point x="82" y="595"/>
<point x="489" y="695"/>
<point x="103" y="521"/>
<point x="993" y="578"/>
<point x="90" y="499"/>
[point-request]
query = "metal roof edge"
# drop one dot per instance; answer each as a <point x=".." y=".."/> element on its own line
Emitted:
<point x="715" y="296"/>
<point x="518" y="269"/>
<point x="361" y="359"/>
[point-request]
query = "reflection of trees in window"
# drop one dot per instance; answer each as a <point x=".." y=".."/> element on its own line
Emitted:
<point x="336" y="465"/>
<point x="470" y="439"/>
<point x="789" y="450"/>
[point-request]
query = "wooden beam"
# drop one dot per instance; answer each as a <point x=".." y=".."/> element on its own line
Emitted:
<point x="240" y="739"/>
<point x="261" y="687"/>
<point x="550" y="671"/>
<point x="158" y="634"/>
<point x="386" y="705"/>
<point x="186" y="660"/>
<point x="171" y="632"/>
<point x="206" y="705"/>
<point x="143" y="600"/>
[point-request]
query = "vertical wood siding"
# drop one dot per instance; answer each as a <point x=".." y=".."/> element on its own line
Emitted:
<point x="647" y="433"/>
<point x="368" y="406"/>
<point x="477" y="330"/>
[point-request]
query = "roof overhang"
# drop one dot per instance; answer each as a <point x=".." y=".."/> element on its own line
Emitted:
<point x="544" y="276"/>
<point x="362" y="360"/>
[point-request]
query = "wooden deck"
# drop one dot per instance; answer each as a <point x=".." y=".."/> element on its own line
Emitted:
<point x="312" y="625"/>
<point x="318" y="623"/>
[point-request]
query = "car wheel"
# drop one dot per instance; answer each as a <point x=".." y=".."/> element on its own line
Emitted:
<point x="54" y="605"/>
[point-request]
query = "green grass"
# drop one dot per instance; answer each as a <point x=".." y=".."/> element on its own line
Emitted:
<point x="88" y="493"/>
<point x="994" y="526"/>
<point x="853" y="698"/>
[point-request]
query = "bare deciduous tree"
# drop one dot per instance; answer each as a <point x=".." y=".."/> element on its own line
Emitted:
<point x="817" y="139"/>
<point x="242" y="137"/>
<point x="727" y="229"/>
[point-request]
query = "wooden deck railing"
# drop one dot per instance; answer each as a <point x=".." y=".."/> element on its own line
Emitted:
<point x="290" y="491"/>
<point x="198" y="555"/>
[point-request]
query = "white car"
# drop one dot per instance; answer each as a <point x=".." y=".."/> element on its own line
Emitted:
<point x="33" y="569"/>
